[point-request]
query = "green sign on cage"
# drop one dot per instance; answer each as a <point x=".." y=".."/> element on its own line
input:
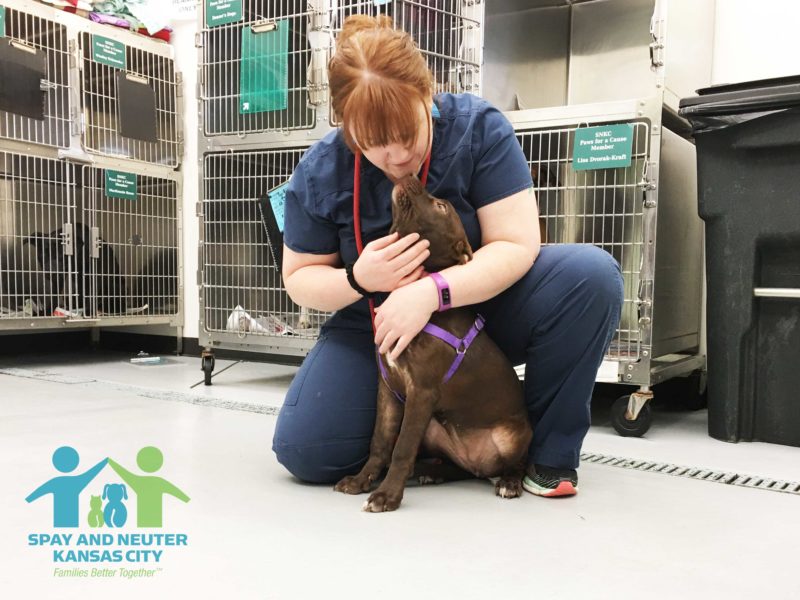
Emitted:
<point x="121" y="185"/>
<point x="264" y="68"/>
<point x="109" y="52"/>
<point x="602" y="147"/>
<point x="2" y="21"/>
<point x="222" y="12"/>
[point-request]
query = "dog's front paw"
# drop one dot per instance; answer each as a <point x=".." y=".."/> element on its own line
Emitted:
<point x="353" y="484"/>
<point x="382" y="502"/>
<point x="508" y="487"/>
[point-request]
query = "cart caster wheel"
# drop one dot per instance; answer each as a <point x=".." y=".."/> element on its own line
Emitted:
<point x="208" y="368"/>
<point x="624" y="426"/>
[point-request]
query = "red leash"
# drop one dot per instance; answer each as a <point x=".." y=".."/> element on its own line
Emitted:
<point x="357" y="213"/>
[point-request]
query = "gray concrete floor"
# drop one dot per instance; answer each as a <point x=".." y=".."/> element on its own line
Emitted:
<point x="255" y="532"/>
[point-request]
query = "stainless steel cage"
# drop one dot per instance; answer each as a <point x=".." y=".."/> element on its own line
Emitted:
<point x="31" y="32"/>
<point x="220" y="76"/>
<point x="644" y="215"/>
<point x="131" y="257"/>
<point x="38" y="275"/>
<point x="448" y="32"/>
<point x="601" y="207"/>
<point x="243" y="303"/>
<point x="71" y="255"/>
<point x="147" y="62"/>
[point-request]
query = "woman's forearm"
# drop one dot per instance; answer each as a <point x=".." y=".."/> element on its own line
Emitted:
<point x="493" y="269"/>
<point x="321" y="287"/>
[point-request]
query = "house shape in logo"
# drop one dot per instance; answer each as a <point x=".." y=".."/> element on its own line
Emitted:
<point x="149" y="489"/>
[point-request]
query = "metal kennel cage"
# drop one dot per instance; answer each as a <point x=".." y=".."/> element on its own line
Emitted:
<point x="130" y="96"/>
<point x="559" y="66"/>
<point x="643" y="215"/>
<point x="243" y="304"/>
<point x="72" y="255"/>
<point x="38" y="274"/>
<point x="34" y="36"/>
<point x="448" y="32"/>
<point x="131" y="253"/>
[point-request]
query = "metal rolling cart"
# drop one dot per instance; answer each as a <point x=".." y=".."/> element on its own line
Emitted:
<point x="90" y="211"/>
<point x="567" y="71"/>
<point x="246" y="152"/>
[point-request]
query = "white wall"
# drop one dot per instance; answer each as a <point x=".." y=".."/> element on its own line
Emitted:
<point x="186" y="63"/>
<point x="755" y="40"/>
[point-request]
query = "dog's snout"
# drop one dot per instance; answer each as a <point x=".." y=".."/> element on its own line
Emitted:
<point x="408" y="187"/>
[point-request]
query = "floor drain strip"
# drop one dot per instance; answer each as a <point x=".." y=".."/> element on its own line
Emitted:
<point x="749" y="481"/>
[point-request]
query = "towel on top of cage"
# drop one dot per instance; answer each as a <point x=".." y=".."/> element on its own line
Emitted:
<point x="63" y="275"/>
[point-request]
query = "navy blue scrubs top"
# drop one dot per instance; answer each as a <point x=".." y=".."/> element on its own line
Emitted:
<point x="475" y="160"/>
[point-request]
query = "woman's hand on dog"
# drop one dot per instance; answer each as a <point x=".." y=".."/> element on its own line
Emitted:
<point x="390" y="262"/>
<point x="403" y="315"/>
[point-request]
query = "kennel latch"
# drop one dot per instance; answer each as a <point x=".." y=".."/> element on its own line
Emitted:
<point x="95" y="244"/>
<point x="67" y="237"/>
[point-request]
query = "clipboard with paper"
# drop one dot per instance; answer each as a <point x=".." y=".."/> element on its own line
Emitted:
<point x="264" y="67"/>
<point x="271" y="208"/>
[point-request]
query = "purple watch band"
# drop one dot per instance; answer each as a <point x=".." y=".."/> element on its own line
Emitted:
<point x="444" y="291"/>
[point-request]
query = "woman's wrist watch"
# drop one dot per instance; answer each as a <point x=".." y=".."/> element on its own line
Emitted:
<point x="351" y="279"/>
<point x="443" y="289"/>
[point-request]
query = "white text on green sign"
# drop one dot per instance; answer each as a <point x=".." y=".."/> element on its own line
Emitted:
<point x="109" y="52"/>
<point x="603" y="147"/>
<point x="121" y="185"/>
<point x="222" y="12"/>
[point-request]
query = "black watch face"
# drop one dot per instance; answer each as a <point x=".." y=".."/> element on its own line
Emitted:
<point x="446" y="296"/>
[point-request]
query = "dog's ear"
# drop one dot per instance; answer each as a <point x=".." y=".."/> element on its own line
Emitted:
<point x="464" y="252"/>
<point x="105" y="490"/>
<point x="124" y="492"/>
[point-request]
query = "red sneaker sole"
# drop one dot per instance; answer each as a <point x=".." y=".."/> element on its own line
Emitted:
<point x="565" y="488"/>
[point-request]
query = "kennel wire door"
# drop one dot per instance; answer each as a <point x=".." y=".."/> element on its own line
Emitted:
<point x="43" y="41"/>
<point x="448" y="32"/>
<point x="243" y="301"/>
<point x="130" y="231"/>
<point x="129" y="92"/>
<point x="603" y="207"/>
<point x="221" y="63"/>
<point x="38" y="276"/>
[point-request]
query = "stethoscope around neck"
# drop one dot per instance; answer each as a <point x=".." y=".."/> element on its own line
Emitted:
<point x="357" y="213"/>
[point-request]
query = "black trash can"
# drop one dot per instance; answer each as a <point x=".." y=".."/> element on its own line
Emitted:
<point x="748" y="173"/>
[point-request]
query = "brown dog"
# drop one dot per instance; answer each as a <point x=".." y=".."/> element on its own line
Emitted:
<point x="478" y="418"/>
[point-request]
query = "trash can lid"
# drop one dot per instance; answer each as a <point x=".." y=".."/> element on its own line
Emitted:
<point x="742" y="98"/>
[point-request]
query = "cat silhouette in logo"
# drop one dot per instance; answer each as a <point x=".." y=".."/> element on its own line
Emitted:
<point x="115" y="513"/>
<point x="96" y="514"/>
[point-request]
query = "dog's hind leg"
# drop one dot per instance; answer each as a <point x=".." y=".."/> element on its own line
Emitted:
<point x="510" y="483"/>
<point x="389" y="415"/>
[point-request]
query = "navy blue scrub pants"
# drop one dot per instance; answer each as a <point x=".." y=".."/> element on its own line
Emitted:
<point x="558" y="319"/>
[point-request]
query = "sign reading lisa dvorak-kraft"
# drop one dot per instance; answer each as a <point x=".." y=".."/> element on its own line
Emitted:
<point x="602" y="147"/>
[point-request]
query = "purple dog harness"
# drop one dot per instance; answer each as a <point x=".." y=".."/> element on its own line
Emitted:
<point x="461" y="346"/>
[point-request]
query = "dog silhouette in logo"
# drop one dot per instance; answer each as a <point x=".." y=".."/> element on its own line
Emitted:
<point x="96" y="514"/>
<point x="115" y="513"/>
